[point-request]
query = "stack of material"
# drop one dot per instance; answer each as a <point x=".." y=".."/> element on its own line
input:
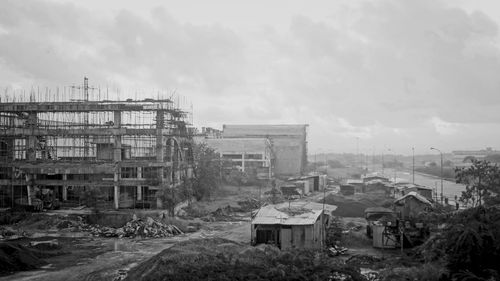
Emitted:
<point x="221" y="214"/>
<point x="249" y="204"/>
<point x="142" y="228"/>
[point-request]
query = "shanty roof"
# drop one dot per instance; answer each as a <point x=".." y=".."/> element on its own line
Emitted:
<point x="303" y="177"/>
<point x="378" y="178"/>
<point x="239" y="144"/>
<point x="299" y="213"/>
<point x="353" y="181"/>
<point x="412" y="185"/>
<point x="416" y="196"/>
<point x="263" y="130"/>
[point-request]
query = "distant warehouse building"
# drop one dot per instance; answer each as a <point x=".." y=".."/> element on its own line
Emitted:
<point x="288" y="143"/>
<point x="461" y="157"/>
<point x="252" y="156"/>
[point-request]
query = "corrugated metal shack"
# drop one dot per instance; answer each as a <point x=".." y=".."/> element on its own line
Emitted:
<point x="411" y="205"/>
<point x="291" y="225"/>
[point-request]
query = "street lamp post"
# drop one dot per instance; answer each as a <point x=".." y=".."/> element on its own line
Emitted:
<point x="383" y="163"/>
<point x="441" y="154"/>
<point x="394" y="165"/>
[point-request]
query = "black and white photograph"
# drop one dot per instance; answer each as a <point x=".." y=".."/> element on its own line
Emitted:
<point x="169" y="140"/>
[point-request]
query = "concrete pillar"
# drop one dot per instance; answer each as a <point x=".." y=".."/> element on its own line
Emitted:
<point x="116" y="195"/>
<point x="139" y="188"/>
<point x="28" y="189"/>
<point x="65" y="188"/>
<point x="31" y="141"/>
<point x="160" y="141"/>
<point x="117" y="152"/>
<point x="243" y="161"/>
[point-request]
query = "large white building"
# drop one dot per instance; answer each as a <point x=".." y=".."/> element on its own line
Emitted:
<point x="250" y="155"/>
<point x="288" y="143"/>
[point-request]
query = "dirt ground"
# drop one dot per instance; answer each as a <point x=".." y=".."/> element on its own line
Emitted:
<point x="84" y="257"/>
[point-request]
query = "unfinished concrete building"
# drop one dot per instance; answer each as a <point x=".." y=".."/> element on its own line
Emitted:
<point x="126" y="153"/>
<point x="253" y="156"/>
<point x="288" y="143"/>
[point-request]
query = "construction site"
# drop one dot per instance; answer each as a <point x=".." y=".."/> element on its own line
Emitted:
<point x="57" y="148"/>
<point x="86" y="181"/>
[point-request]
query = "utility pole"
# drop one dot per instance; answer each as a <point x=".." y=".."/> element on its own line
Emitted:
<point x="413" y="166"/>
<point x="357" y="152"/>
<point x="315" y="162"/>
<point x="383" y="163"/>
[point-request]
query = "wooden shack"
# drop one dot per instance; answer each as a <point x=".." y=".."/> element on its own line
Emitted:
<point x="347" y="189"/>
<point x="359" y="185"/>
<point x="411" y="205"/>
<point x="291" y="225"/>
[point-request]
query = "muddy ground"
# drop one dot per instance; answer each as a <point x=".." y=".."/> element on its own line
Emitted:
<point x="82" y="256"/>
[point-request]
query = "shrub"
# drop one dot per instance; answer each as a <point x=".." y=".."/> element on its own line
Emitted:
<point x="426" y="272"/>
<point x="473" y="242"/>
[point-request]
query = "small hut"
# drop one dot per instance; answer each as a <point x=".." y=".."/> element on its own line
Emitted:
<point x="411" y="205"/>
<point x="291" y="225"/>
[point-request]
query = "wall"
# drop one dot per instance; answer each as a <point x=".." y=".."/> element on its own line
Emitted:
<point x="289" y="144"/>
<point x="289" y="156"/>
<point x="411" y="208"/>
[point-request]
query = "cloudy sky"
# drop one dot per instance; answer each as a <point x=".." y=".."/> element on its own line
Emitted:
<point x="394" y="74"/>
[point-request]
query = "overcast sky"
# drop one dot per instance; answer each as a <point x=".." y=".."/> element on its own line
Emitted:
<point x="394" y="73"/>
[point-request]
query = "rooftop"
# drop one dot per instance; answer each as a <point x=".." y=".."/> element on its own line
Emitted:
<point x="297" y="213"/>
<point x="414" y="195"/>
<point x="239" y="144"/>
<point x="263" y="130"/>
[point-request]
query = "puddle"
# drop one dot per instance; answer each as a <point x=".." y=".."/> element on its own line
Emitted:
<point x="124" y="246"/>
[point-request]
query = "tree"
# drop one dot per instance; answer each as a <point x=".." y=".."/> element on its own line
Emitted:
<point x="207" y="171"/>
<point x="493" y="158"/>
<point x="472" y="244"/>
<point x="482" y="183"/>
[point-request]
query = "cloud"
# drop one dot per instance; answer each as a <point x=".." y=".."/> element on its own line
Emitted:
<point x="387" y="71"/>
<point x="59" y="43"/>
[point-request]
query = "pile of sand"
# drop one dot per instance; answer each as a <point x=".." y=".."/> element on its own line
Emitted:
<point x="15" y="257"/>
<point x="354" y="206"/>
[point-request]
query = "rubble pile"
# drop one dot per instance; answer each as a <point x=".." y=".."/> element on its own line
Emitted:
<point x="364" y="260"/>
<point x="134" y="228"/>
<point x="249" y="204"/>
<point x="221" y="214"/>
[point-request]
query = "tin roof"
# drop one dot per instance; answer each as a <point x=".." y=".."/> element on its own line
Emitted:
<point x="263" y="130"/>
<point x="299" y="213"/>
<point x="354" y="181"/>
<point x="416" y="196"/>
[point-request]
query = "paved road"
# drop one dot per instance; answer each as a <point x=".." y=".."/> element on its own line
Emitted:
<point x="450" y="188"/>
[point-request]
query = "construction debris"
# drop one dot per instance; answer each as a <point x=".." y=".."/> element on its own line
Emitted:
<point x="364" y="260"/>
<point x="337" y="251"/>
<point x="143" y="228"/>
<point x="249" y="204"/>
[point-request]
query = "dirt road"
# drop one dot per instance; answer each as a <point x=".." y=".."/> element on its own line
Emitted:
<point x="95" y="258"/>
<point x="119" y="255"/>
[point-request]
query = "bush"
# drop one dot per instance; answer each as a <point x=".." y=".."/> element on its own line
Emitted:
<point x="469" y="245"/>
<point x="473" y="242"/>
<point x="219" y="259"/>
<point x="426" y="272"/>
